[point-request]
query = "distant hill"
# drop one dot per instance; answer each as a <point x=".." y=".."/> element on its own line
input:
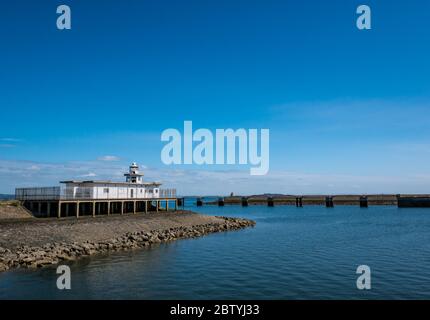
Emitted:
<point x="267" y="195"/>
<point x="6" y="196"/>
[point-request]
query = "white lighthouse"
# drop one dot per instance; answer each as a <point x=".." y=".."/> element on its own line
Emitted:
<point x="133" y="175"/>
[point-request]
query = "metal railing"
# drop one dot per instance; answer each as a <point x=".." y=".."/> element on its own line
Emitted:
<point x="90" y="193"/>
<point x="46" y="193"/>
<point x="167" y="193"/>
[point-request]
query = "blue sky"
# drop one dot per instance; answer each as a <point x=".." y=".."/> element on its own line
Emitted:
<point x="348" y="110"/>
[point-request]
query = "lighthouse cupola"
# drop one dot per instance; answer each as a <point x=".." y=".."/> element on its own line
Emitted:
<point x="133" y="175"/>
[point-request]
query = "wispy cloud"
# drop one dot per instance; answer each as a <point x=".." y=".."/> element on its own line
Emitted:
<point x="197" y="182"/>
<point x="30" y="173"/>
<point x="8" y="142"/>
<point x="10" y="139"/>
<point x="416" y="147"/>
<point x="354" y="114"/>
<point x="109" y="158"/>
<point x="89" y="175"/>
<point x="15" y="174"/>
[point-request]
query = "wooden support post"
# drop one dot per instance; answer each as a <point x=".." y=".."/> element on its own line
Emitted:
<point x="244" y="201"/>
<point x="108" y="208"/>
<point x="122" y="207"/>
<point x="167" y="205"/>
<point x="176" y="204"/>
<point x="146" y="206"/>
<point x="77" y="209"/>
<point x="94" y="209"/>
<point x="59" y="210"/>
<point x="156" y="206"/>
<point x="329" y="202"/>
<point x="48" y="209"/>
<point x="363" y="202"/>
<point x="221" y="202"/>
<point x="134" y="207"/>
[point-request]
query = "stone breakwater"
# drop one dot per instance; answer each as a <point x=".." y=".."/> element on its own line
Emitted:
<point x="56" y="252"/>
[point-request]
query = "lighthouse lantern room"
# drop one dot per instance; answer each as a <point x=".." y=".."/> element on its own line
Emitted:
<point x="133" y="175"/>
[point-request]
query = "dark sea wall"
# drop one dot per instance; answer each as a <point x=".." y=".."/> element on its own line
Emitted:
<point x="414" y="202"/>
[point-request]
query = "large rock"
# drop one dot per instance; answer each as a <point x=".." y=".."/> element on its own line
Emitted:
<point x="3" y="267"/>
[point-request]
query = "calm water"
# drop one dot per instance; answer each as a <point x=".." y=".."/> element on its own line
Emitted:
<point x="292" y="253"/>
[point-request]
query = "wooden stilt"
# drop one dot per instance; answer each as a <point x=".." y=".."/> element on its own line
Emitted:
<point x="59" y="210"/>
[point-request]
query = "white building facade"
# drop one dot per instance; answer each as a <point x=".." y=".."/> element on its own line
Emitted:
<point x="133" y="188"/>
<point x="109" y="190"/>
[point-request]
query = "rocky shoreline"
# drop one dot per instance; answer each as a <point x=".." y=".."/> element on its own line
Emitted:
<point x="27" y="256"/>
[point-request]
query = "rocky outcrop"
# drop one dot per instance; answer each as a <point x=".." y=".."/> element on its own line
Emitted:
<point x="54" y="253"/>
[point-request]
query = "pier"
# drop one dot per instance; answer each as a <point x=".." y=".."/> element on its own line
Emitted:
<point x="419" y="201"/>
<point x="329" y="201"/>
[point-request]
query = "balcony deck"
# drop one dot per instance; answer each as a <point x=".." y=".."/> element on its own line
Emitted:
<point x="57" y="202"/>
<point x="64" y="194"/>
